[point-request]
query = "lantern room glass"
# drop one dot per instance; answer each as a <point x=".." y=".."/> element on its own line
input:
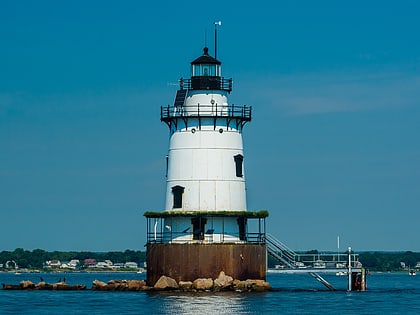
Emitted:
<point x="206" y="70"/>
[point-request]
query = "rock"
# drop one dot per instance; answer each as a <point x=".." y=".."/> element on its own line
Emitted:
<point x="99" y="285"/>
<point x="203" y="284"/>
<point x="117" y="285"/>
<point x="251" y="285"/>
<point x="258" y="285"/>
<point x="61" y="286"/>
<point x="136" y="285"/>
<point x="222" y="282"/>
<point x="120" y="285"/>
<point x="165" y="283"/>
<point x="185" y="285"/>
<point x="11" y="286"/>
<point x="27" y="285"/>
<point x="43" y="286"/>
<point x="239" y="285"/>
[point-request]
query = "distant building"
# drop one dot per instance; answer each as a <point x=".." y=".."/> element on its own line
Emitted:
<point x="53" y="263"/>
<point x="74" y="263"/>
<point x="90" y="263"/>
<point x="101" y="264"/>
<point x="118" y="265"/>
<point x="131" y="264"/>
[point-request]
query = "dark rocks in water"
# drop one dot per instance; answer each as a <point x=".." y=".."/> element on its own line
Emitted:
<point x="7" y="286"/>
<point x="29" y="285"/>
<point x="120" y="285"/>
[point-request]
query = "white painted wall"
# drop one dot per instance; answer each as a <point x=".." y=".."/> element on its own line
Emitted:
<point x="203" y="162"/>
<point x="201" y="159"/>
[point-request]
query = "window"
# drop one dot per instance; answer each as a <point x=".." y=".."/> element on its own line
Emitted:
<point x="238" y="161"/>
<point x="199" y="225"/>
<point x="177" y="191"/>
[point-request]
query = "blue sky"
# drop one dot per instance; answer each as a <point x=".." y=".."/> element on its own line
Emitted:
<point x="333" y="148"/>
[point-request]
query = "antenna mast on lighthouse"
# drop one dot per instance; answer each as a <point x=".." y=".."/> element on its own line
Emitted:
<point x="215" y="37"/>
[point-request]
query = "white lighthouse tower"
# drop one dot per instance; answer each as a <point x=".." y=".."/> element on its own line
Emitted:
<point x="204" y="227"/>
<point x="205" y="160"/>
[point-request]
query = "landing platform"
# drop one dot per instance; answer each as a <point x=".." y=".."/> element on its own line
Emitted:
<point x="337" y="271"/>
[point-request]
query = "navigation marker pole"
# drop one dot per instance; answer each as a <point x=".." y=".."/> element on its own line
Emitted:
<point x="349" y="270"/>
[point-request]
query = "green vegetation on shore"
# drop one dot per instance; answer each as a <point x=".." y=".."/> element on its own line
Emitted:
<point x="36" y="259"/>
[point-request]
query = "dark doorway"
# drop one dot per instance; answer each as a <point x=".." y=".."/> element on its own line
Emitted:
<point x="242" y="228"/>
<point x="199" y="225"/>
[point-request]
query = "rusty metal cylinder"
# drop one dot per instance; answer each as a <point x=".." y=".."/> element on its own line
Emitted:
<point x="187" y="262"/>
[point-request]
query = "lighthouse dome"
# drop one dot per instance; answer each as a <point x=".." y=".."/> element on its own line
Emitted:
<point x="206" y="58"/>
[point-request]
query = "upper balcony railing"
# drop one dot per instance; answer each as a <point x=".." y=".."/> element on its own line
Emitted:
<point x="206" y="83"/>
<point x="242" y="113"/>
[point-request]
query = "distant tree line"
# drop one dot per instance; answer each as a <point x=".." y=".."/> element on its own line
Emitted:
<point x="36" y="259"/>
<point x="374" y="261"/>
<point x="387" y="261"/>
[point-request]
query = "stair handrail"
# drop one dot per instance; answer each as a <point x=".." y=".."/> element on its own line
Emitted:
<point x="281" y="246"/>
<point x="280" y="251"/>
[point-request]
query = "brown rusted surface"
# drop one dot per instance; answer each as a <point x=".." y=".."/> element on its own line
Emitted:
<point x="187" y="262"/>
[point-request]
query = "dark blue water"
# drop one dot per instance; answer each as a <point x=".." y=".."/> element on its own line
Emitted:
<point x="293" y="294"/>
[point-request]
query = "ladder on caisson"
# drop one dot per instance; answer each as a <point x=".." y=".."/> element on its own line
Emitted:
<point x="180" y="98"/>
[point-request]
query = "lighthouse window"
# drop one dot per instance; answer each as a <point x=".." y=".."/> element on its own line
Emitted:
<point x="177" y="191"/>
<point x="238" y="162"/>
<point x="199" y="225"/>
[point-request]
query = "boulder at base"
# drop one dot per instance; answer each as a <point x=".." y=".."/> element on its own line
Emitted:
<point x="166" y="283"/>
<point x="185" y="285"/>
<point x="203" y="284"/>
<point x="222" y="282"/>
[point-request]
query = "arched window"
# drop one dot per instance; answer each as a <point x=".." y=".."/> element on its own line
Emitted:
<point x="238" y="161"/>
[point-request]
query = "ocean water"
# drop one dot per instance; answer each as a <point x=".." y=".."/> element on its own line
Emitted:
<point x="387" y="293"/>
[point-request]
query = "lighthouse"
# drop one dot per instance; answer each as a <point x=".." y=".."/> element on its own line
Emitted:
<point x="205" y="227"/>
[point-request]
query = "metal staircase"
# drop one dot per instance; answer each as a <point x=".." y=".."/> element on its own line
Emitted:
<point x="180" y="97"/>
<point x="280" y="251"/>
<point x="288" y="257"/>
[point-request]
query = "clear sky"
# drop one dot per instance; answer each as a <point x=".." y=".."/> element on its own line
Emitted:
<point x="333" y="148"/>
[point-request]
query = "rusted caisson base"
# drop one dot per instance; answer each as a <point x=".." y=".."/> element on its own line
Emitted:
<point x="187" y="262"/>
